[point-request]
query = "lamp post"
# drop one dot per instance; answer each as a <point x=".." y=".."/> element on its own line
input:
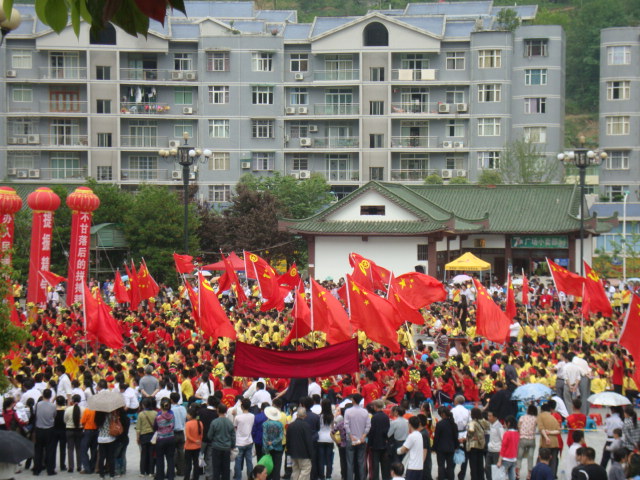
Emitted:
<point x="624" y="238"/>
<point x="186" y="156"/>
<point x="582" y="158"/>
<point x="7" y="25"/>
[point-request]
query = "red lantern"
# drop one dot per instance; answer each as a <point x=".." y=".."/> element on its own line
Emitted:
<point x="83" y="200"/>
<point x="43" y="199"/>
<point x="10" y="201"/>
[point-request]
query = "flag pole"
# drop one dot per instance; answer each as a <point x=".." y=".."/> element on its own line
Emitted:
<point x="84" y="324"/>
<point x="582" y="316"/>
<point x="526" y="305"/>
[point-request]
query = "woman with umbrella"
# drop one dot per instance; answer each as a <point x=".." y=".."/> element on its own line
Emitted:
<point x="106" y="444"/>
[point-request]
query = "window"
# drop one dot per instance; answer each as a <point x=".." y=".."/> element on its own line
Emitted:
<point x="64" y="65"/>
<point x="616" y="192"/>
<point x="183" y="96"/>
<point x="376" y="140"/>
<point x="263" y="129"/>
<point x="262" y="95"/>
<point x="298" y="129"/>
<point x="300" y="162"/>
<point x="339" y="101"/>
<point x="535" y="134"/>
<point x="454" y="162"/>
<point x="423" y="252"/>
<point x="219" y="128"/>
<point x="21" y="126"/>
<point x="535" y="76"/>
<point x="22" y="160"/>
<point x="22" y="93"/>
<point x="455" y="128"/>
<point x="454" y="95"/>
<point x="263" y="161"/>
<point x="218" y="94"/>
<point x="21" y="59"/>
<point x="372" y="209"/>
<point x="376" y="173"/>
<point x="103" y="106"/>
<point x="375" y="35"/>
<point x="103" y="72"/>
<point x="376" y="107"/>
<point x="104" y="140"/>
<point x="619" y="90"/>
<point x="489" y="160"/>
<point x="143" y="133"/>
<point x="339" y="168"/>
<point x="298" y="96"/>
<point x="489" y="127"/>
<point x="182" y="61"/>
<point x="618" y="160"/>
<point x="262" y="62"/>
<point x="489" y="92"/>
<point x="618" y="125"/>
<point x="66" y="165"/>
<point x="489" y="59"/>
<point x="376" y="74"/>
<point x="179" y="128"/>
<point x="299" y="62"/>
<point x="536" y="47"/>
<point x="455" y="60"/>
<point x="105" y="172"/>
<point x="218" y="61"/>
<point x="143" y="168"/>
<point x="64" y="132"/>
<point x="219" y="161"/>
<point x="219" y="193"/>
<point x="535" y="105"/>
<point x="619" y="55"/>
<point x="414" y="61"/>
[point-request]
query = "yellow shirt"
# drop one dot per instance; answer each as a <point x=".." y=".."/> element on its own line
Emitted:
<point x="551" y="333"/>
<point x="187" y="388"/>
<point x="598" y="385"/>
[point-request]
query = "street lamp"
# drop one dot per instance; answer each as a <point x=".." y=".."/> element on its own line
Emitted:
<point x="186" y="156"/>
<point x="582" y="158"/>
<point x="624" y="238"/>
<point x="8" y="24"/>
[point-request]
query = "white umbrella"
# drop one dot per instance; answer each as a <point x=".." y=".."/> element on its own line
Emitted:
<point x="106" y="401"/>
<point x="608" y="399"/>
<point x="461" y="278"/>
<point x="205" y="273"/>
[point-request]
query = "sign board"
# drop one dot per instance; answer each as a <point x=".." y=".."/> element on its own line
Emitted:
<point x="539" y="241"/>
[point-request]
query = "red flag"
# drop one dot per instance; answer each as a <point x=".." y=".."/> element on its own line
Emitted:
<point x="597" y="302"/>
<point x="291" y="278"/>
<point x="301" y="320"/>
<point x="146" y="284"/>
<point x="195" y="302"/>
<point x="134" y="290"/>
<point x="510" y="310"/>
<point x="630" y="333"/>
<point x="567" y="282"/>
<point x="328" y="314"/>
<point x="213" y="319"/>
<point x="51" y="278"/>
<point x="525" y="289"/>
<point x="373" y="314"/>
<point x="230" y="279"/>
<point x="184" y="263"/>
<point x="405" y="311"/>
<point x="119" y="290"/>
<point x="491" y="321"/>
<point x="368" y="274"/>
<point x="419" y="290"/>
<point x="267" y="278"/>
<point x="99" y="322"/>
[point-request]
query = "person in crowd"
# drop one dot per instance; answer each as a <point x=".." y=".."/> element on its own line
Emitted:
<point x="325" y="443"/>
<point x="509" y="448"/>
<point x="45" y="452"/>
<point x="496" y="432"/>
<point x="477" y="432"/>
<point x="73" y="431"/>
<point x="300" y="446"/>
<point x="378" y="442"/>
<point x="222" y="438"/>
<point x="611" y="423"/>
<point x="243" y="423"/>
<point x="106" y="443"/>
<point x="445" y="443"/>
<point x="527" y="425"/>
<point x="414" y="448"/>
<point x="164" y="428"/>
<point x="193" y="432"/>
<point x="542" y="470"/>
<point x="273" y="438"/>
<point x="549" y="428"/>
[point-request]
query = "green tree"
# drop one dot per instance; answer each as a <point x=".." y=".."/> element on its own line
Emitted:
<point x="507" y="20"/>
<point x="114" y="202"/>
<point x="489" y="177"/>
<point x="522" y="162"/>
<point x="458" y="181"/>
<point x="433" y="179"/>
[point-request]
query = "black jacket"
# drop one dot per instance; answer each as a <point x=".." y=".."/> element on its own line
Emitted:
<point x="445" y="439"/>
<point x="378" y="431"/>
<point x="299" y="440"/>
<point x="501" y="404"/>
<point x="313" y="420"/>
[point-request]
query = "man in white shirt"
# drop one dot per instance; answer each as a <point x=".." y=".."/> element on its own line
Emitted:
<point x="64" y="383"/>
<point x="461" y="417"/>
<point x="31" y="392"/>
<point x="571" y="379"/>
<point x="243" y="424"/>
<point x="414" y="446"/>
<point x="495" y="443"/>
<point x="253" y="387"/>
<point x="314" y="388"/>
<point x="260" y="396"/>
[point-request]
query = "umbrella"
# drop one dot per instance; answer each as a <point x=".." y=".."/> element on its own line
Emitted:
<point x="106" y="401"/>
<point x="634" y="279"/>
<point x="14" y="447"/>
<point x="531" y="392"/>
<point x="461" y="278"/>
<point x="609" y="399"/>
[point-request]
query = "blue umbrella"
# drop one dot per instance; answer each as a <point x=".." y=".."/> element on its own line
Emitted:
<point x="531" y="392"/>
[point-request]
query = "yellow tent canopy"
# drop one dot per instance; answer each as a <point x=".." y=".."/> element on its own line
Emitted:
<point x="468" y="262"/>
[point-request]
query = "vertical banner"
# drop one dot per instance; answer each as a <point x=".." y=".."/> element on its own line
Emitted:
<point x="10" y="203"/>
<point x="82" y="203"/>
<point x="43" y="201"/>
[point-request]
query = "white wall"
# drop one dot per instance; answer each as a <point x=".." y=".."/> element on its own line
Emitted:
<point x="351" y="211"/>
<point x="491" y="241"/>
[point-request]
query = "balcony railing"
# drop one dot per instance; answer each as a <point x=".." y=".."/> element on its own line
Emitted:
<point x="143" y="142"/>
<point x="49" y="140"/>
<point x="340" y="175"/>
<point x="414" y="142"/>
<point x="145" y="108"/>
<point x="63" y="73"/>
<point x="336" y="75"/>
<point x="411" y="175"/>
<point x="155" y="75"/>
<point x="335" y="142"/>
<point x="412" y="75"/>
<point x="79" y="174"/>
<point x="336" y="109"/>
<point x="414" y="107"/>
<point x="62" y="105"/>
<point x="144" y="175"/>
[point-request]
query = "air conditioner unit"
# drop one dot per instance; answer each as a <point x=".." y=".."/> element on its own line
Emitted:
<point x="446" y="173"/>
<point x="191" y="75"/>
<point x="176" y="175"/>
<point x="177" y="75"/>
<point x="458" y="144"/>
<point x="461" y="173"/>
<point x="192" y="175"/>
<point x="174" y="143"/>
<point x="12" y="74"/>
<point x="187" y="110"/>
<point x="295" y="175"/>
<point x="462" y="107"/>
<point x="305" y="174"/>
<point x="12" y="140"/>
<point x="11" y="172"/>
<point x="299" y="76"/>
<point x="443" y="108"/>
<point x="21" y="140"/>
<point x="305" y="142"/>
<point x="22" y="173"/>
<point x="290" y="110"/>
<point x="447" y="144"/>
<point x="33" y="139"/>
<point x="34" y="173"/>
<point x="303" y="110"/>
<point x="245" y="165"/>
<point x="313" y="128"/>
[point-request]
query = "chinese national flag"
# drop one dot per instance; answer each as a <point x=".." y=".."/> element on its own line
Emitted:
<point x="567" y="282"/>
<point x="146" y="284"/>
<point x="373" y="314"/>
<point x="213" y="319"/>
<point x="291" y="278"/>
<point x="510" y="310"/>
<point x="595" y="300"/>
<point x="491" y="321"/>
<point x="630" y="333"/>
<point x="194" y="301"/>
<point x="405" y="311"/>
<point x="119" y="290"/>
<point x="368" y="274"/>
<point x="328" y="314"/>
<point x="184" y="263"/>
<point x="233" y="276"/>
<point x="99" y="322"/>
<point x="419" y="290"/>
<point x="268" y="283"/>
<point x="525" y="289"/>
<point x="301" y="320"/>
<point x="134" y="291"/>
<point x="51" y="278"/>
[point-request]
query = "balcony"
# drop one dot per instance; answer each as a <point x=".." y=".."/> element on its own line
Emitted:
<point x="336" y="75"/>
<point x="138" y="141"/>
<point x="340" y="175"/>
<point x="411" y="175"/>
<point x="144" y="175"/>
<point x="413" y="75"/>
<point x="63" y="73"/>
<point x="48" y="174"/>
<point x="155" y="75"/>
<point x="49" y="140"/>
<point x="335" y="142"/>
<point x="414" y="142"/>
<point x="63" y="105"/>
<point x="417" y="107"/>
<point x="144" y="108"/>
<point x="336" y="109"/>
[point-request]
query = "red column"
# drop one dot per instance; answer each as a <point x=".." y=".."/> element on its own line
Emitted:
<point x="10" y="204"/>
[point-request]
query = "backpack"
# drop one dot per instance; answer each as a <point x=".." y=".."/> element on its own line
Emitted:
<point x="115" y="426"/>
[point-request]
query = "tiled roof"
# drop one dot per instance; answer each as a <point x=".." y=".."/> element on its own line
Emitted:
<point x="449" y="8"/>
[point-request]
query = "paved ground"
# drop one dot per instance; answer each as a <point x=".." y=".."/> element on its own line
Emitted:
<point x="593" y="439"/>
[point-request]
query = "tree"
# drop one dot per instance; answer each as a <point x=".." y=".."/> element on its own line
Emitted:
<point x="521" y="162"/>
<point x="114" y="202"/>
<point x="507" y="20"/>
<point x="458" y="181"/>
<point x="489" y="177"/>
<point x="433" y="179"/>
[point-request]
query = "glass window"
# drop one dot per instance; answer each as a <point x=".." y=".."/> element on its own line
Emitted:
<point x="618" y="125"/>
<point x="455" y="95"/>
<point x="219" y="161"/>
<point x="21" y="59"/>
<point x="376" y="107"/>
<point x="103" y="72"/>
<point x="143" y="168"/>
<point x="455" y="128"/>
<point x="182" y="61"/>
<point x="219" y="193"/>
<point x="535" y="105"/>
<point x="179" y="128"/>
<point x="21" y="126"/>
<point x="22" y="93"/>
<point x="143" y="133"/>
<point x="219" y="128"/>
<point x="262" y="95"/>
<point x="535" y="134"/>
<point x="376" y="173"/>
<point x="66" y="165"/>
<point x="619" y="55"/>
<point x="262" y="62"/>
<point x="536" y="47"/>
<point x="618" y="160"/>
<point x="454" y="162"/>
<point x="263" y="161"/>
<point x="489" y="160"/>
<point x="298" y="129"/>
<point x="535" y="76"/>
<point x="455" y="60"/>
<point x="299" y="62"/>
<point x="105" y="172"/>
<point x="103" y="106"/>
<point x="218" y="61"/>
<point x="376" y="74"/>
<point x="263" y="129"/>
<point x="619" y="90"/>
<point x="298" y="96"/>
<point x="489" y="127"/>
<point x="64" y="132"/>
<point x="376" y="140"/>
<point x="414" y="61"/>
<point x="489" y="59"/>
<point x="300" y="162"/>
<point x="183" y="96"/>
<point x="22" y="160"/>
<point x="489" y="92"/>
<point x="104" y="140"/>
<point x="423" y="252"/>
<point x="218" y="94"/>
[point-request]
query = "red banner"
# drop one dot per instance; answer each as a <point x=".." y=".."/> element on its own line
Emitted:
<point x="78" y="255"/>
<point x="40" y="258"/>
<point x="6" y="241"/>
<point x="252" y="361"/>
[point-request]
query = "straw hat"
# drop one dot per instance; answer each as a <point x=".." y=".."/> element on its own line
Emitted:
<point x="272" y="413"/>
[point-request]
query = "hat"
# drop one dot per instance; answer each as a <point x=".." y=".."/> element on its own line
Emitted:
<point x="272" y="413"/>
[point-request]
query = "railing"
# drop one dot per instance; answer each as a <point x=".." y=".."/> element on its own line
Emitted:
<point x="336" y="75"/>
<point x="143" y="142"/>
<point x="62" y="173"/>
<point x="414" y="142"/>
<point x="412" y="175"/>
<point x="335" y="142"/>
<point x="145" y="108"/>
<point x="143" y="175"/>
<point x="336" y="109"/>
<point x="62" y="105"/>
<point x="414" y="107"/>
<point x="63" y="73"/>
<point x="49" y="140"/>
<point x="340" y="175"/>
<point x="155" y="75"/>
<point x="412" y="75"/>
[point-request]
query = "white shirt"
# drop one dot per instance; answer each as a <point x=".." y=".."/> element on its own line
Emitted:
<point x="64" y="386"/>
<point x="205" y="390"/>
<point x="34" y="393"/>
<point x="571" y="374"/>
<point x="130" y="398"/>
<point x="314" y="389"/>
<point x="514" y="329"/>
<point x="243" y="423"/>
<point x="561" y="408"/>
<point x="254" y="386"/>
<point x="80" y="392"/>
<point x="163" y="393"/>
<point x="413" y="443"/>
<point x="461" y="417"/>
<point x="260" y="397"/>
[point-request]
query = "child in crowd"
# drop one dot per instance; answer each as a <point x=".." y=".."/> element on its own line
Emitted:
<point x="397" y="470"/>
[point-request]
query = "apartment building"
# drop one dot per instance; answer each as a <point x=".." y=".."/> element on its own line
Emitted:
<point x="394" y="95"/>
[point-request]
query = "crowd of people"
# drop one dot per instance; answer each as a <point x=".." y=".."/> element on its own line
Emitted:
<point x="448" y="401"/>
